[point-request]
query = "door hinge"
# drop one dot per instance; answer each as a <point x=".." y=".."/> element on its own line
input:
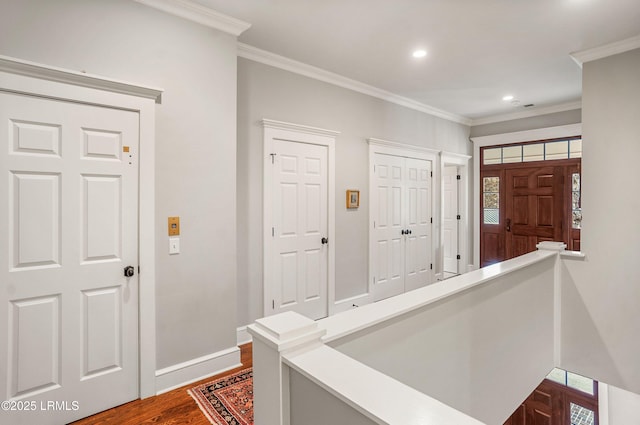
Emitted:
<point x="431" y="173"/>
<point x="273" y="232"/>
<point x="431" y="266"/>
<point x="138" y="269"/>
<point x="458" y="177"/>
<point x="458" y="217"/>
<point x="273" y="304"/>
<point x="273" y="158"/>
<point x="431" y="220"/>
<point x="458" y="257"/>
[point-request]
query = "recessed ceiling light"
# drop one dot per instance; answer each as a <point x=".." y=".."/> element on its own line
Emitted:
<point x="419" y="53"/>
<point x="507" y="98"/>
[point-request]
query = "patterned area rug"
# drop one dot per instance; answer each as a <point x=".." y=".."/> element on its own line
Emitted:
<point x="227" y="401"/>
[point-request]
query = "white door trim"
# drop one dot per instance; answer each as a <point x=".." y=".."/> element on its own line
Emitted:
<point x="381" y="146"/>
<point x="306" y="134"/>
<point x="462" y="161"/>
<point x="17" y="76"/>
<point x="503" y="139"/>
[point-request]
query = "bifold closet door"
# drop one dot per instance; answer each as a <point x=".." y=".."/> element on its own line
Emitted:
<point x="401" y="235"/>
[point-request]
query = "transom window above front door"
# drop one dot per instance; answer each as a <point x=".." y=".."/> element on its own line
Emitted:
<point x="532" y="152"/>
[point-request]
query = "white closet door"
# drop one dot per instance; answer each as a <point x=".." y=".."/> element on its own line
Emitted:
<point x="418" y="225"/>
<point x="450" y="219"/>
<point x="388" y="248"/>
<point x="300" y="209"/>
<point x="69" y="226"/>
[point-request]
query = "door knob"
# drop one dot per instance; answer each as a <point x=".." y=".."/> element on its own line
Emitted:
<point x="403" y="232"/>
<point x="324" y="241"/>
<point x="508" y="225"/>
<point x="129" y="271"/>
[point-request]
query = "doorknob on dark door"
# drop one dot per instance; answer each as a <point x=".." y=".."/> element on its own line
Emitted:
<point x="508" y="225"/>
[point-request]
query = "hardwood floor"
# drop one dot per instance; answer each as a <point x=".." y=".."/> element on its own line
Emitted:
<point x="174" y="407"/>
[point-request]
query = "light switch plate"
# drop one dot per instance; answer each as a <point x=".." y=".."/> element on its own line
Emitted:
<point x="174" y="246"/>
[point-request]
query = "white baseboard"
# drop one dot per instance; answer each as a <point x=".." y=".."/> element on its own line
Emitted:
<point x="243" y="335"/>
<point x="471" y="267"/>
<point x="181" y="374"/>
<point x="350" y="303"/>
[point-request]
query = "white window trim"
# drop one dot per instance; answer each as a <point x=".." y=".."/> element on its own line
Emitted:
<point x="558" y="132"/>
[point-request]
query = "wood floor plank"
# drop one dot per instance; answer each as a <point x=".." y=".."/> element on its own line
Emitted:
<point x="175" y="407"/>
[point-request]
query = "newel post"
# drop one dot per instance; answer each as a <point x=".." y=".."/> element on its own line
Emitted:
<point x="272" y="337"/>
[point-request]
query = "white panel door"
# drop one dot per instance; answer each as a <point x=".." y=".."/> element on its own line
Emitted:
<point x="418" y="238"/>
<point x="387" y="236"/>
<point x="300" y="229"/>
<point x="68" y="227"/>
<point x="450" y="220"/>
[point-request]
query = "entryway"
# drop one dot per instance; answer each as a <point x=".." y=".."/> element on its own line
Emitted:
<point x="530" y="193"/>
<point x="563" y="398"/>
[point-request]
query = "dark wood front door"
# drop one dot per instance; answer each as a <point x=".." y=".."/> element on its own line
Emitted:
<point x="533" y="208"/>
<point x="555" y="404"/>
<point x="525" y="204"/>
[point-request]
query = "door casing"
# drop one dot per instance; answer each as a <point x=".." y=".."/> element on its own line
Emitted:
<point x="18" y="76"/>
<point x="379" y="146"/>
<point x="479" y="142"/>
<point x="303" y="134"/>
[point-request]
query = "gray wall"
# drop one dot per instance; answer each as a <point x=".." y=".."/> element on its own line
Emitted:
<point x="195" y="144"/>
<point x="268" y="92"/>
<point x="481" y="351"/>
<point x="601" y="295"/>
<point x="312" y="405"/>
<point x="541" y="121"/>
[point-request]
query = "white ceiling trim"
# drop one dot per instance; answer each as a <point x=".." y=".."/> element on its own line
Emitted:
<point x="198" y="13"/>
<point x="258" y="55"/>
<point x="569" y="130"/>
<point x="61" y="75"/>
<point x="606" y="50"/>
<point x="533" y="112"/>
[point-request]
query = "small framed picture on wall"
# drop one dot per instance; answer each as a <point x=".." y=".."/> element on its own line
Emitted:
<point x="353" y="199"/>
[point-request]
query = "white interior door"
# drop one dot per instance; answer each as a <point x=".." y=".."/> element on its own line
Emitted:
<point x="388" y="226"/>
<point x="299" y="230"/>
<point x="450" y="220"/>
<point x="418" y="238"/>
<point x="68" y="227"/>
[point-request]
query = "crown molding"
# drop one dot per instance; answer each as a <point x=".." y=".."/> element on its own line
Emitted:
<point x="46" y="72"/>
<point x="558" y="132"/>
<point x="528" y="113"/>
<point x="398" y="145"/>
<point x="282" y="125"/>
<point x="198" y="13"/>
<point x="607" y="50"/>
<point x="258" y="55"/>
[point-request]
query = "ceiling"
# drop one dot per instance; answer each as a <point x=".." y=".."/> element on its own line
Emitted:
<point x="478" y="50"/>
